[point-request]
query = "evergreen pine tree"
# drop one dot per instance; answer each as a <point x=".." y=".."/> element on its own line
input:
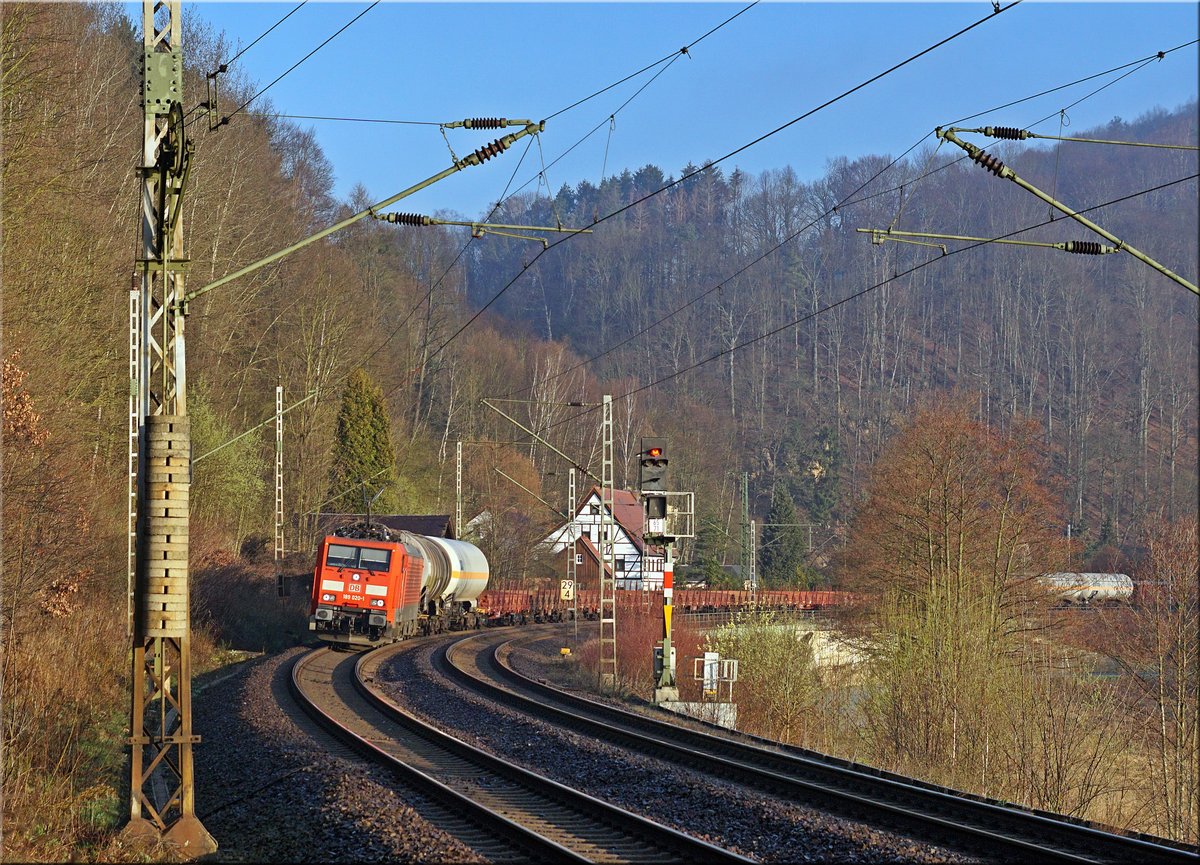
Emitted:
<point x="362" y="449"/>
<point x="707" y="558"/>
<point x="781" y="554"/>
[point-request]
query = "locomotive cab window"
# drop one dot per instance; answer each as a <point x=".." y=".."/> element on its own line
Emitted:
<point x="341" y="556"/>
<point x="374" y="560"/>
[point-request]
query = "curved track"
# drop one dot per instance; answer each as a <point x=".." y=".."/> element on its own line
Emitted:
<point x="933" y="813"/>
<point x="503" y="812"/>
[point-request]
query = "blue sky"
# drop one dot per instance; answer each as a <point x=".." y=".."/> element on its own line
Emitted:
<point x="445" y="61"/>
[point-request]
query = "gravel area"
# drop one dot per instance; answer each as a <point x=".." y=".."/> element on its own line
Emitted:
<point x="271" y="786"/>
<point x="729" y="815"/>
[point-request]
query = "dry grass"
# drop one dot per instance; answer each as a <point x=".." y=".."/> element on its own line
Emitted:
<point x="66" y="669"/>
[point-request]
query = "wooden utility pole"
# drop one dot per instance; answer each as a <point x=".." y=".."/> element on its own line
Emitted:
<point x="161" y="734"/>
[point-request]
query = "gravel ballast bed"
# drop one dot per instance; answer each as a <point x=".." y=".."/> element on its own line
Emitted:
<point x="271" y="788"/>
<point x="755" y="825"/>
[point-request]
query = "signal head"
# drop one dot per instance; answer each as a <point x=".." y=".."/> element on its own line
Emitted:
<point x="652" y="465"/>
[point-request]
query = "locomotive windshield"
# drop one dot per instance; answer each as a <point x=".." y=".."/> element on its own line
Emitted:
<point x="373" y="560"/>
<point x="341" y="556"/>
<point x="365" y="558"/>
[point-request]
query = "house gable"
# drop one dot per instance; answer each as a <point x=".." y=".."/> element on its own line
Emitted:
<point x="635" y="565"/>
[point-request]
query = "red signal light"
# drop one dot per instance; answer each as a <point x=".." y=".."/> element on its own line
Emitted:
<point x="654" y="452"/>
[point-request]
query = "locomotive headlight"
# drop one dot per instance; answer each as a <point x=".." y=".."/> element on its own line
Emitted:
<point x="377" y="603"/>
<point x="326" y="597"/>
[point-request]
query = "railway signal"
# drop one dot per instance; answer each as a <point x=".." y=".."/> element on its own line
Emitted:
<point x="652" y="481"/>
<point x="653" y="464"/>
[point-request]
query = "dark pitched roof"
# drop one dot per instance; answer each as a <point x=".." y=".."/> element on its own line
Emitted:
<point x="436" y="525"/>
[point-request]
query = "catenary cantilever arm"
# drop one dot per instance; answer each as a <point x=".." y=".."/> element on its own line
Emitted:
<point x="994" y="165"/>
<point x="479" y="156"/>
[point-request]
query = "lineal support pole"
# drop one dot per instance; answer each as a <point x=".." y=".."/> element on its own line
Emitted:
<point x="572" y="572"/>
<point x="161" y="735"/>
<point x="998" y="168"/>
<point x="136" y="413"/>
<point x="665" y="688"/>
<point x="747" y="555"/>
<point x="753" y="565"/>
<point x="458" y="489"/>
<point x="608" y="576"/>
<point x="278" y="472"/>
<point x="281" y="585"/>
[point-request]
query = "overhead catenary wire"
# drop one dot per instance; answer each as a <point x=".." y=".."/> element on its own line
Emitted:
<point x="506" y="194"/>
<point x="1158" y="55"/>
<point x="356" y="119"/>
<point x="718" y="286"/>
<point x="1140" y="63"/>
<point x="674" y="55"/>
<point x="844" y="203"/>
<point x="607" y="120"/>
<point x="234" y="58"/>
<point x="668" y="60"/>
<point x="450" y="266"/>
<point x="685" y="177"/>
<point x="224" y="67"/>
<point x="894" y="277"/>
<point x="294" y="66"/>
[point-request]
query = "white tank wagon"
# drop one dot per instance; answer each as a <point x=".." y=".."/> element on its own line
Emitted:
<point x="1090" y="588"/>
<point x="452" y="571"/>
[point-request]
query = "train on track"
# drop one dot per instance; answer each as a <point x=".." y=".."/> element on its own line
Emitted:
<point x="1089" y="589"/>
<point x="373" y="585"/>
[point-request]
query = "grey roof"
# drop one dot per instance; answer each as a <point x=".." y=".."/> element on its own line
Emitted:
<point x="435" y="525"/>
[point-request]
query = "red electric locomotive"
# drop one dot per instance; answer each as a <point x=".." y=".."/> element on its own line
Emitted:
<point x="373" y="585"/>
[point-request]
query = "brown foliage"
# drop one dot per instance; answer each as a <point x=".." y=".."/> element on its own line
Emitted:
<point x="1155" y="645"/>
<point x="952" y="501"/>
<point x="22" y="425"/>
<point x="956" y="526"/>
<point x="238" y="605"/>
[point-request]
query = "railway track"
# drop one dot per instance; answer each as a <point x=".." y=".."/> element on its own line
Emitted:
<point x="503" y="812"/>
<point x="932" y="813"/>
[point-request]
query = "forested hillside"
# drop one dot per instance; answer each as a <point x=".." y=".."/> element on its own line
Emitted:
<point x="1100" y="350"/>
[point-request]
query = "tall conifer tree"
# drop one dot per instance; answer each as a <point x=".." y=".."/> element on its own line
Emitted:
<point x="362" y="449"/>
<point x="782" y="553"/>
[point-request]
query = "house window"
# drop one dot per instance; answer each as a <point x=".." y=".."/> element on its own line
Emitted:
<point x="593" y="508"/>
<point x="620" y="563"/>
<point x="579" y="558"/>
